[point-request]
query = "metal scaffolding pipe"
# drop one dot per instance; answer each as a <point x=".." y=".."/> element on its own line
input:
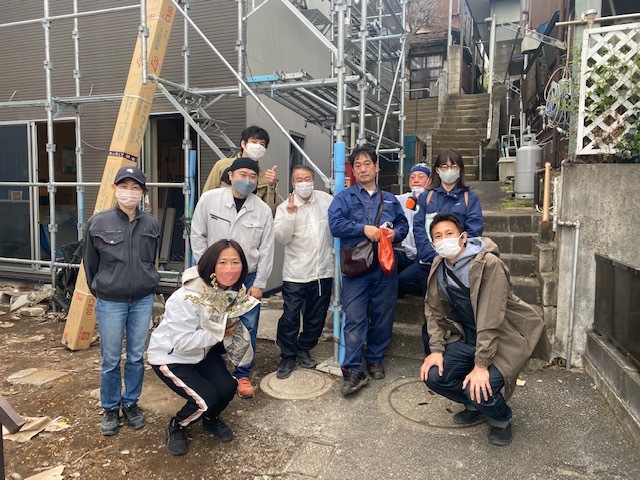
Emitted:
<point x="254" y="96"/>
<point x="186" y="144"/>
<point x="34" y="21"/>
<point x="362" y="85"/>
<point x="77" y="75"/>
<point x="51" y="147"/>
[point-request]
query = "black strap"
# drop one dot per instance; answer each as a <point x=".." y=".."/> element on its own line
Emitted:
<point x="453" y="276"/>
<point x="379" y="209"/>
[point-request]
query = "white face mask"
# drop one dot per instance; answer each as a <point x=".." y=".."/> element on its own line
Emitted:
<point x="255" y="151"/>
<point x="128" y="198"/>
<point x="450" y="176"/>
<point x="304" y="189"/>
<point x="417" y="191"/>
<point x="448" y="247"/>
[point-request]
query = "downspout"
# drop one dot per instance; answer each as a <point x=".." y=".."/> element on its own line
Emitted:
<point x="574" y="268"/>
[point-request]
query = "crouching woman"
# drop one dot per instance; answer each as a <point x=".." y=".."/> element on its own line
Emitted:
<point x="186" y="349"/>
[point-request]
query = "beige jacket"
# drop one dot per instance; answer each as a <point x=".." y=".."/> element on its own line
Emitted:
<point x="269" y="195"/>
<point x="509" y="331"/>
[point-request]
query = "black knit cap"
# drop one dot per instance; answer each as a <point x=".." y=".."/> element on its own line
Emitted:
<point x="243" y="163"/>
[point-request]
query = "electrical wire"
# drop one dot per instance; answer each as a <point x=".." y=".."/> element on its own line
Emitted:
<point x="557" y="96"/>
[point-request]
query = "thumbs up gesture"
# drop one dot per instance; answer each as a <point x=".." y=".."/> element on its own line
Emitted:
<point x="270" y="176"/>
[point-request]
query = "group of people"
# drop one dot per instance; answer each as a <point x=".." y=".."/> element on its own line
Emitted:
<point x="477" y="334"/>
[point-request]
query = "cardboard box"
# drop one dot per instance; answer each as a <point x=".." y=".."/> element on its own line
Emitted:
<point x="125" y="148"/>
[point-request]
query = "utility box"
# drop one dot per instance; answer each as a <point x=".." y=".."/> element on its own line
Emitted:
<point x="506" y="169"/>
<point x="528" y="160"/>
<point x="415" y="151"/>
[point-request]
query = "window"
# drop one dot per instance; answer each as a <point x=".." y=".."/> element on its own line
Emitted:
<point x="424" y="73"/>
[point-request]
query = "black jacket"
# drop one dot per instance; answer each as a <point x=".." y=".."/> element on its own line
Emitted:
<point x="119" y="256"/>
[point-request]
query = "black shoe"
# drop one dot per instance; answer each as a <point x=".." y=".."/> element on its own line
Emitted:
<point x="133" y="415"/>
<point x="376" y="370"/>
<point x="176" y="438"/>
<point x="218" y="428"/>
<point x="286" y="367"/>
<point x="353" y="381"/>
<point x="501" y="436"/>
<point x="467" y="417"/>
<point x="304" y="359"/>
<point x="110" y="422"/>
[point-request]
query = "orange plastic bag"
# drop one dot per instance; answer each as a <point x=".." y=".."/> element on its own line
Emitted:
<point x="386" y="256"/>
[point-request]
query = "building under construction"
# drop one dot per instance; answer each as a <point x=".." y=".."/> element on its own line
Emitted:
<point x="310" y="72"/>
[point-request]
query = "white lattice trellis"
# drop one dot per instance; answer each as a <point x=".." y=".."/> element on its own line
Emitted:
<point x="609" y="87"/>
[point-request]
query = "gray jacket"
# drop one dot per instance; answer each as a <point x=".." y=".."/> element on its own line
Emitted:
<point x="119" y="256"/>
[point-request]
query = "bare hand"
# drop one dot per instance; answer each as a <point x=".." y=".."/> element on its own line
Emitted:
<point x="270" y="176"/>
<point x="291" y="206"/>
<point x="372" y="233"/>
<point x="433" y="360"/>
<point x="230" y="329"/>
<point x="255" y="292"/>
<point x="479" y="386"/>
<point x="391" y="234"/>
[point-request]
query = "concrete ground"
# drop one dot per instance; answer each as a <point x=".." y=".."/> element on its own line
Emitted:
<point x="395" y="428"/>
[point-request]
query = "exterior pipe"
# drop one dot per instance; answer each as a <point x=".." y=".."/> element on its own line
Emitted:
<point x="574" y="269"/>
<point x="402" y="117"/>
<point x="339" y="155"/>
<point x="546" y="195"/>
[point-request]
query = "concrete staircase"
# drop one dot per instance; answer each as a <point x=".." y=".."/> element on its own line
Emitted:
<point x="462" y="125"/>
<point x="529" y="260"/>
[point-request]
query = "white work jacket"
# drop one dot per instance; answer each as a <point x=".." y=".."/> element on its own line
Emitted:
<point x="409" y="243"/>
<point x="215" y="218"/>
<point x="307" y="240"/>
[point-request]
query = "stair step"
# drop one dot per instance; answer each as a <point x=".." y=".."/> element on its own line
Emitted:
<point x="517" y="223"/>
<point x="528" y="289"/>
<point x="406" y="341"/>
<point x="410" y="310"/>
<point x="520" y="264"/>
<point x="510" y="242"/>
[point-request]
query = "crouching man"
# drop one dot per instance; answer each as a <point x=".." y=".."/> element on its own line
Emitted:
<point x="480" y="333"/>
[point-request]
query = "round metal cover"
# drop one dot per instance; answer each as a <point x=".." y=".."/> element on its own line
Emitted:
<point x="410" y="400"/>
<point x="303" y="384"/>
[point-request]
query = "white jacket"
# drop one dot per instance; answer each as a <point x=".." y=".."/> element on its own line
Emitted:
<point x="409" y="243"/>
<point x="307" y="240"/>
<point x="180" y="337"/>
<point x="215" y="218"/>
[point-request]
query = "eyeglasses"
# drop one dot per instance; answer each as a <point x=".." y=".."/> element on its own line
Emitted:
<point x="455" y="168"/>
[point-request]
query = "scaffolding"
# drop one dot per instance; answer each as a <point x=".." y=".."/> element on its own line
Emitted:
<point x="365" y="90"/>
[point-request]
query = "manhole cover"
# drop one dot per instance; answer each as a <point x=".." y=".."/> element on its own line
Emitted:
<point x="414" y="403"/>
<point x="303" y="384"/>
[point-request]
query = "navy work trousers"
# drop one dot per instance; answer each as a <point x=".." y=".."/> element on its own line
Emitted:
<point x="369" y="302"/>
<point x="312" y="300"/>
<point x="458" y="363"/>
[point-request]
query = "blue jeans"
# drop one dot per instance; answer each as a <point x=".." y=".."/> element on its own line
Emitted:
<point x="249" y="320"/>
<point x="114" y="320"/>
<point x="458" y="363"/>
<point x="369" y="302"/>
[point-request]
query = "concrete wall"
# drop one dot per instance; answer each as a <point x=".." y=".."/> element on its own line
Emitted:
<point x="603" y="197"/>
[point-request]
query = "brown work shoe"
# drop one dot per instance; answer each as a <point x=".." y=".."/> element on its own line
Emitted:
<point x="376" y="370"/>
<point x="245" y="389"/>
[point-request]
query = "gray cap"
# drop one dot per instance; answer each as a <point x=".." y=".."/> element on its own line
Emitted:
<point x="134" y="173"/>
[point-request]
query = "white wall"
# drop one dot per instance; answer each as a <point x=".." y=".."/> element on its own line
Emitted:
<point x="604" y="198"/>
<point x="277" y="41"/>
